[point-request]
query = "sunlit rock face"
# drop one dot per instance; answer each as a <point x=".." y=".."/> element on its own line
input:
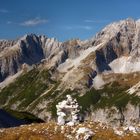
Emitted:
<point x="117" y="42"/>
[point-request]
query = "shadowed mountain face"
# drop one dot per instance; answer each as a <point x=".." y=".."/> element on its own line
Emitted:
<point x="6" y="120"/>
<point x="11" y="118"/>
<point x="25" y="50"/>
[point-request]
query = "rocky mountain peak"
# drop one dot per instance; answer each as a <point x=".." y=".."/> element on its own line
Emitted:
<point x="116" y="40"/>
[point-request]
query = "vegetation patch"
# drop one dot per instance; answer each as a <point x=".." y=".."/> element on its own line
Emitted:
<point x="36" y="86"/>
<point x="26" y="89"/>
<point x="111" y="95"/>
<point x="52" y="105"/>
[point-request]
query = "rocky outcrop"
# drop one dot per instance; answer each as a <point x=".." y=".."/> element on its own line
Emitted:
<point x="25" y="50"/>
<point x="113" y="49"/>
<point x="113" y="116"/>
<point x="33" y="49"/>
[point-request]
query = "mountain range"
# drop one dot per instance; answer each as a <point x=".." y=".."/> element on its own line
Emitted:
<point x="102" y="73"/>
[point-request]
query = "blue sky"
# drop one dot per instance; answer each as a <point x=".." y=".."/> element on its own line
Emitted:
<point x="62" y="19"/>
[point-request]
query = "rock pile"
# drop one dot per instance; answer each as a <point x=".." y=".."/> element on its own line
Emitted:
<point x="68" y="111"/>
<point x="86" y="132"/>
<point x="68" y="116"/>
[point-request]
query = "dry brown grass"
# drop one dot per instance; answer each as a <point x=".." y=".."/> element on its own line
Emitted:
<point x="90" y="58"/>
<point x="51" y="131"/>
<point x="123" y="79"/>
<point x="32" y="132"/>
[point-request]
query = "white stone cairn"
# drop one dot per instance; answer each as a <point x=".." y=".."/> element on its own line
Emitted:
<point x="68" y="108"/>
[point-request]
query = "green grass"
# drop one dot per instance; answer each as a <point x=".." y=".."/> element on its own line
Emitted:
<point x="30" y="86"/>
<point x="52" y="106"/>
<point x="51" y="94"/>
<point x="111" y="95"/>
<point x="90" y="98"/>
<point x="26" y="88"/>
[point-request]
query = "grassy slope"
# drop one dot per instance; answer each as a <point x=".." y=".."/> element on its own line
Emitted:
<point x="111" y="95"/>
<point x="30" y="86"/>
<point x="25" y="90"/>
<point x="51" y="131"/>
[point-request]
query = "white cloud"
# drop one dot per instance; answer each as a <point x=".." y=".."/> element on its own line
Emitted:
<point x="9" y="22"/>
<point x="95" y="21"/>
<point x="34" y="22"/>
<point x="84" y="27"/>
<point x="3" y="11"/>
